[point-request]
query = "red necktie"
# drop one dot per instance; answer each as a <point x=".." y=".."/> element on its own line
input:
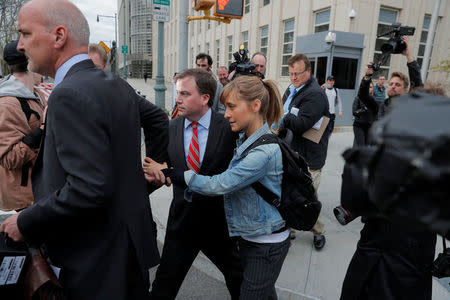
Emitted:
<point x="193" y="160"/>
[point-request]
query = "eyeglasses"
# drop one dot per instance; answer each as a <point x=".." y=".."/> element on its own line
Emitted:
<point x="296" y="74"/>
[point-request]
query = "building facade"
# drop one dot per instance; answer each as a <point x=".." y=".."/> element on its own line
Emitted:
<point x="135" y="31"/>
<point x="273" y="27"/>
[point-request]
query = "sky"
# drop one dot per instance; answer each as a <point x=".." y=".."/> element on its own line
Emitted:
<point x="103" y="30"/>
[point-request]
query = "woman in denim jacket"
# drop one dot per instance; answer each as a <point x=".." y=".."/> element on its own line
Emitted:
<point x="252" y="106"/>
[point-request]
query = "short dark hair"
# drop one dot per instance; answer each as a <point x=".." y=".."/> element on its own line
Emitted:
<point x="206" y="84"/>
<point x="203" y="56"/>
<point x="299" y="57"/>
<point x="19" y="68"/>
<point x="381" y="75"/>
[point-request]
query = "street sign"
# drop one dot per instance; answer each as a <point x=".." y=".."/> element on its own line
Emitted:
<point x="125" y="49"/>
<point x="104" y="46"/>
<point x="161" y="10"/>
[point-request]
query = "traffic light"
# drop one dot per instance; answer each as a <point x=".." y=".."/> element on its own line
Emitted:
<point x="229" y="8"/>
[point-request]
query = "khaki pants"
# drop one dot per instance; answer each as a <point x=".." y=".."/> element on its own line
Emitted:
<point x="319" y="227"/>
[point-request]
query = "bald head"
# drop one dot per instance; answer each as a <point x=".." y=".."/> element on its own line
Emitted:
<point x="65" y="13"/>
<point x="51" y="32"/>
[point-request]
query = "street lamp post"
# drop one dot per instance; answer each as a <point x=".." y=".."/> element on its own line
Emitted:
<point x="115" y="32"/>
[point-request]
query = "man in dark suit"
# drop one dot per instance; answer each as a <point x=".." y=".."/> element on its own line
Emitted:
<point x="199" y="224"/>
<point x="91" y="208"/>
<point x="305" y="103"/>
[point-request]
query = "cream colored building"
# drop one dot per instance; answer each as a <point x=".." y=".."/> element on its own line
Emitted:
<point x="273" y="26"/>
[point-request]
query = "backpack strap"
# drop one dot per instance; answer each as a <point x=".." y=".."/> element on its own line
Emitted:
<point x="27" y="109"/>
<point x="28" y="112"/>
<point x="336" y="98"/>
<point x="259" y="188"/>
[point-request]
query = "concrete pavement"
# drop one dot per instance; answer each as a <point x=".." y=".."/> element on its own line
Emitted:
<point x="306" y="273"/>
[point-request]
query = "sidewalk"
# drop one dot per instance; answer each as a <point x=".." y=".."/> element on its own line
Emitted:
<point x="146" y="88"/>
<point x="306" y="274"/>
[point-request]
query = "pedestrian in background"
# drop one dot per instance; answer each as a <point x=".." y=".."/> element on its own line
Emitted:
<point x="21" y="116"/>
<point x="334" y="101"/>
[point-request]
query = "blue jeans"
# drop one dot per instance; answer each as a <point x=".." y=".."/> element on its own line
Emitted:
<point x="261" y="265"/>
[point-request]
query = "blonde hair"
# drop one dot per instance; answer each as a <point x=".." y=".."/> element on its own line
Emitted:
<point x="250" y="88"/>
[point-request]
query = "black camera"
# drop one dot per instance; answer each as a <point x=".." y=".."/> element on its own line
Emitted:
<point x="395" y="44"/>
<point x="241" y="64"/>
<point x="441" y="266"/>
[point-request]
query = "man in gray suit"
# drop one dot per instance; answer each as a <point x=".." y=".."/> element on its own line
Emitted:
<point x="91" y="207"/>
<point x="198" y="225"/>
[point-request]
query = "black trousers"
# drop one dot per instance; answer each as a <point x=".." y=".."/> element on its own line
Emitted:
<point x="390" y="263"/>
<point x="361" y="135"/>
<point x="262" y="265"/>
<point x="331" y="123"/>
<point x="191" y="228"/>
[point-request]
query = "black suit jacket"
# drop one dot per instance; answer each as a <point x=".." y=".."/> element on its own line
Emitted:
<point x="91" y="206"/>
<point x="312" y="103"/>
<point x="218" y="153"/>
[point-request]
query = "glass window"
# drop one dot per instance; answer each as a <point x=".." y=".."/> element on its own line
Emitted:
<point x="207" y="48"/>
<point x="322" y="21"/>
<point x="288" y="46"/>
<point x="423" y="41"/>
<point x="230" y="50"/>
<point x="245" y="39"/>
<point x="246" y="6"/>
<point x="264" y="39"/>
<point x="266" y="2"/>
<point x="217" y="54"/>
<point x="321" y="69"/>
<point x="344" y="70"/>
<point x="387" y="16"/>
<point x="209" y="25"/>
<point x="385" y="20"/>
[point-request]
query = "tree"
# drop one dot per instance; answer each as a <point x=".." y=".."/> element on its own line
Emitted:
<point x="9" y="9"/>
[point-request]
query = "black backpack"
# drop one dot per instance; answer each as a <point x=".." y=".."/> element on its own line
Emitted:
<point x="298" y="205"/>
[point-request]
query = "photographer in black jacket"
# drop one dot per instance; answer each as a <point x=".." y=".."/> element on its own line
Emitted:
<point x="365" y="113"/>
<point x="391" y="262"/>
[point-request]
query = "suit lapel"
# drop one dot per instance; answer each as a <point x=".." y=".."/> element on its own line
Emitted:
<point x="180" y="156"/>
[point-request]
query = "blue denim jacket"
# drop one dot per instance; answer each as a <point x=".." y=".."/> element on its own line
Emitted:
<point x="246" y="212"/>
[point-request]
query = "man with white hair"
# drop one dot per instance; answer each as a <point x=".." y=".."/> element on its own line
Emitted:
<point x="91" y="207"/>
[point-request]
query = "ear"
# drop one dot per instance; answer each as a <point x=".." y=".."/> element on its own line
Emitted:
<point x="61" y="36"/>
<point x="256" y="105"/>
<point x="205" y="99"/>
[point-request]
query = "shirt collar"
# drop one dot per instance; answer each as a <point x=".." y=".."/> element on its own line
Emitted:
<point x="292" y="88"/>
<point x="65" y="67"/>
<point x="243" y="143"/>
<point x="204" y="121"/>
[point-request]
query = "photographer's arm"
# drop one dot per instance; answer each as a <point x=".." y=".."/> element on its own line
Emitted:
<point x="413" y="66"/>
<point x="363" y="93"/>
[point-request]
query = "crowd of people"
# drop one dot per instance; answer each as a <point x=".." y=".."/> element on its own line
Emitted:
<point x="71" y="168"/>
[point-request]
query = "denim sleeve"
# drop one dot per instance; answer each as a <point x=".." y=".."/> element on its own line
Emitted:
<point x="247" y="171"/>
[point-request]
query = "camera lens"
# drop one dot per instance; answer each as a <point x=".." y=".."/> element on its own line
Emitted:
<point x="342" y="215"/>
